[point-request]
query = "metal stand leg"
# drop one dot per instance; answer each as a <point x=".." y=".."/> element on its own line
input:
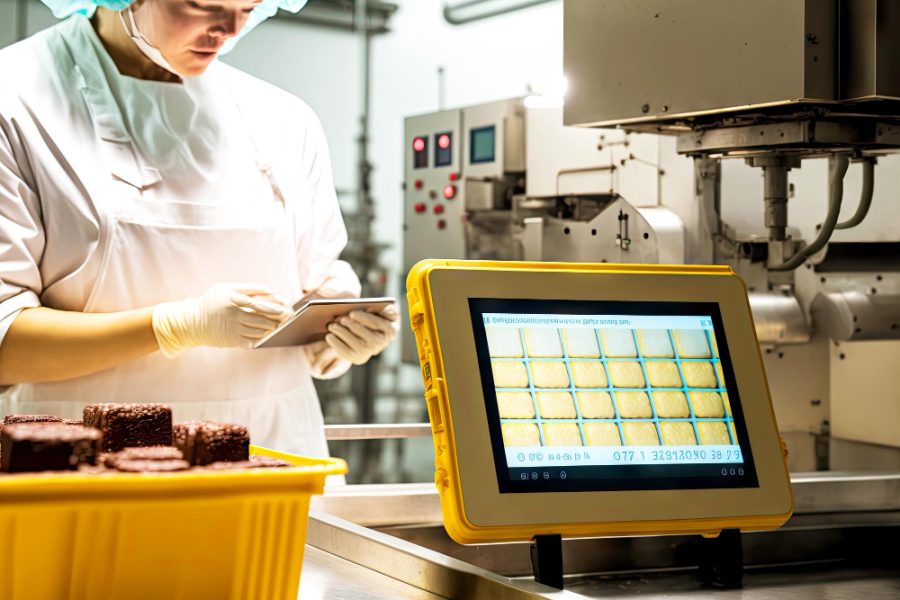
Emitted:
<point x="547" y="561"/>
<point x="722" y="560"/>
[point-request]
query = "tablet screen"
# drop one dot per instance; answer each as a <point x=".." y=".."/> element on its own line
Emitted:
<point x="610" y="395"/>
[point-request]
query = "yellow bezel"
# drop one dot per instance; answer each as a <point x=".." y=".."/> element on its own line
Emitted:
<point x="473" y="507"/>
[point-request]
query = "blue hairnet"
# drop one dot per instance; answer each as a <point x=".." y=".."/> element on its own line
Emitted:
<point x="65" y="8"/>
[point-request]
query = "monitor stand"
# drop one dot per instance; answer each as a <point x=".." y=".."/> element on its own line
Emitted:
<point x="547" y="560"/>
<point x="721" y="560"/>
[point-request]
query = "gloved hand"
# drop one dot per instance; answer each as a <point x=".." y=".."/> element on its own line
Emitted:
<point x="225" y="316"/>
<point x="361" y="335"/>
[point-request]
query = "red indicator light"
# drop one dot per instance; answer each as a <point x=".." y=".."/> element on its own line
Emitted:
<point x="454" y="176"/>
<point x="420" y="207"/>
<point x="419" y="144"/>
<point x="438" y="209"/>
<point x="449" y="192"/>
<point x="443" y="141"/>
<point x="419" y="184"/>
<point x="441" y="224"/>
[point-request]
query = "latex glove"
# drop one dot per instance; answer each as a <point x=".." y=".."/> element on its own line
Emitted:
<point x="323" y="361"/>
<point x="360" y="335"/>
<point x="225" y="316"/>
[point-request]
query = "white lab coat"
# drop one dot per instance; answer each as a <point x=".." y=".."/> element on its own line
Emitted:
<point x="106" y="205"/>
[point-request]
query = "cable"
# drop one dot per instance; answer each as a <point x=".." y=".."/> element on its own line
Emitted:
<point x="865" y="200"/>
<point x="838" y="167"/>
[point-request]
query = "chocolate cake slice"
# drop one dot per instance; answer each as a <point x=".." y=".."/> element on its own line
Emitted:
<point x="126" y="425"/>
<point x="152" y="466"/>
<point x="9" y="419"/>
<point x="204" y="442"/>
<point x="43" y="446"/>
<point x="110" y="459"/>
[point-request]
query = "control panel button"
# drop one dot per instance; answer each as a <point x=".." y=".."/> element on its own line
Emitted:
<point x="454" y="176"/>
<point x="449" y="192"/>
<point x="438" y="209"/>
<point x="420" y="207"/>
<point x="419" y="184"/>
<point x="432" y="194"/>
<point x="441" y="224"/>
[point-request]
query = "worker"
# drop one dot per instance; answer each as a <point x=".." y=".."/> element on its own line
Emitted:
<point x="159" y="211"/>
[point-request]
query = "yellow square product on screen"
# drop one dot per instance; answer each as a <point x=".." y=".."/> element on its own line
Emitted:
<point x="561" y="434"/>
<point x="521" y="434"/>
<point x="634" y="405"/>
<point x="713" y="433"/>
<point x="671" y="405"/>
<point x="543" y="342"/>
<point x="663" y="373"/>
<point x="602" y="434"/>
<point x="626" y="373"/>
<point x="698" y="374"/>
<point x="549" y="374"/>
<point x="640" y="433"/>
<point x="556" y="405"/>
<point x="504" y="342"/>
<point x="618" y="343"/>
<point x="524" y="447"/>
<point x="588" y="374"/>
<point x="581" y="343"/>
<point x="707" y="405"/>
<point x="655" y="343"/>
<point x="691" y="343"/>
<point x="515" y="405"/>
<point x="509" y="374"/>
<point x="595" y="405"/>
<point x="678" y="433"/>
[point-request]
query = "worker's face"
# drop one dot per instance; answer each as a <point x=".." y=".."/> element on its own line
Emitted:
<point x="190" y="33"/>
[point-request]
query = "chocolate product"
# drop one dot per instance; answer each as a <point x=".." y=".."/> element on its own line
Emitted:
<point x="43" y="446"/>
<point x="255" y="462"/>
<point x="184" y="437"/>
<point x="8" y="419"/>
<point x="110" y="459"/>
<point x="126" y="425"/>
<point x="203" y="442"/>
<point x="152" y="466"/>
<point x="268" y="461"/>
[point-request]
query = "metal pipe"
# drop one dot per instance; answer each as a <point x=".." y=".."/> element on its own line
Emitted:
<point x="451" y="11"/>
<point x="838" y="168"/>
<point x="776" y="198"/>
<point x="21" y="20"/>
<point x="367" y="431"/>
<point x="865" y="199"/>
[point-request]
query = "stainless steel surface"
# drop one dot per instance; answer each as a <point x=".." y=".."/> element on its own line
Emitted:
<point x="794" y="583"/>
<point x="869" y="68"/>
<point x="416" y="565"/>
<point x="637" y="60"/>
<point x="779" y="319"/>
<point x="854" y="315"/>
<point x="329" y="577"/>
<point x="380" y="505"/>
<point x="619" y="233"/>
<point x="377" y="431"/>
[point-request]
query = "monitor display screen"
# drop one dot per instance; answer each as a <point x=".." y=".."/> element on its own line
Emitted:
<point x="482" y="146"/>
<point x="610" y="395"/>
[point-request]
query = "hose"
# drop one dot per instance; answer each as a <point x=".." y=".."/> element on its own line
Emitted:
<point x="865" y="200"/>
<point x="838" y="168"/>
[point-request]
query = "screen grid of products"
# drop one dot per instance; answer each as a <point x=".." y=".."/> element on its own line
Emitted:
<point x="610" y="390"/>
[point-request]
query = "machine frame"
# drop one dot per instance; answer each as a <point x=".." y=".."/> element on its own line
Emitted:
<point x="474" y="509"/>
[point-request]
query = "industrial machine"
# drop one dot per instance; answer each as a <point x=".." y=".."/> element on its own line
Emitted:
<point x="759" y="135"/>
<point x="759" y="168"/>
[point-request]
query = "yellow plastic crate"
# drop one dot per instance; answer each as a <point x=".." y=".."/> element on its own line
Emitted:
<point x="225" y="534"/>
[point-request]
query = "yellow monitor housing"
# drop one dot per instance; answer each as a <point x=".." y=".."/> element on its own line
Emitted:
<point x="595" y="399"/>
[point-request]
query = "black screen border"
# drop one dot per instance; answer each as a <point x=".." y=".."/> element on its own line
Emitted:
<point x="676" y="476"/>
